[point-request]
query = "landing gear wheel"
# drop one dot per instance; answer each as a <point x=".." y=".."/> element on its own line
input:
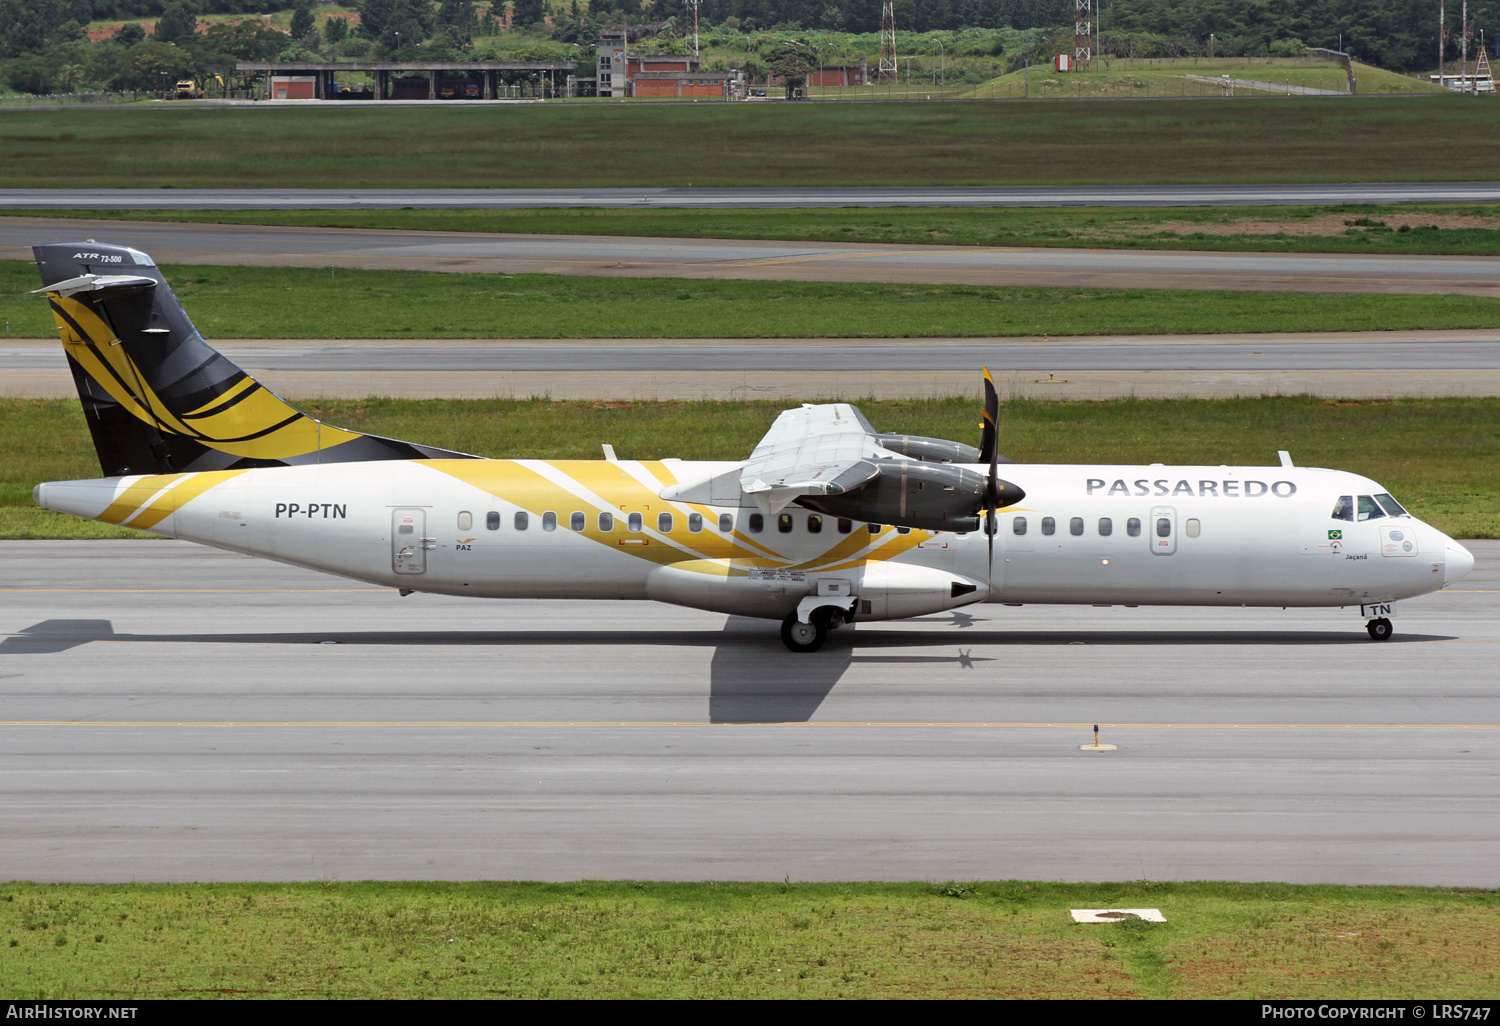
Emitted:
<point x="803" y="637"/>
<point x="1380" y="630"/>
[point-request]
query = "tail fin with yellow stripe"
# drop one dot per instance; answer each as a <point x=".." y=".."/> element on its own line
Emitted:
<point x="159" y="399"/>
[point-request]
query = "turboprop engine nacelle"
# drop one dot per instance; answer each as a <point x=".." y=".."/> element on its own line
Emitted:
<point x="934" y="450"/>
<point x="930" y="496"/>
<point x="929" y="450"/>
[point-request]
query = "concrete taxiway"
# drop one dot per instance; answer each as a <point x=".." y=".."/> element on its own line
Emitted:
<point x="1335" y="364"/>
<point x="770" y="197"/>
<point x="174" y="713"/>
<point x="619" y="256"/>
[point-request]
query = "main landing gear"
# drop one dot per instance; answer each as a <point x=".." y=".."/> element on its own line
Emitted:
<point x="803" y="637"/>
<point x="1380" y="629"/>
<point x="809" y="637"/>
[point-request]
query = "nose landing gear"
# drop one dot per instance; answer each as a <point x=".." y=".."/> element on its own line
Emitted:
<point x="1380" y="629"/>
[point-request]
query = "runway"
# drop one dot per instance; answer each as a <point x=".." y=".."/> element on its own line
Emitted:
<point x="1337" y="364"/>
<point x="174" y="713"/>
<point x="619" y="256"/>
<point x="273" y="198"/>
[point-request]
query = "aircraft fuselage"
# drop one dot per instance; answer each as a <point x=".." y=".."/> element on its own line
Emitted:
<point x="1135" y="535"/>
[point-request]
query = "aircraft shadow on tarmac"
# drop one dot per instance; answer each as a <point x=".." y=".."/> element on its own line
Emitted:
<point x="752" y="678"/>
<point x="49" y="636"/>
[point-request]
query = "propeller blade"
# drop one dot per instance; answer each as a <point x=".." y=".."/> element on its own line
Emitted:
<point x="989" y="436"/>
<point x="989" y="451"/>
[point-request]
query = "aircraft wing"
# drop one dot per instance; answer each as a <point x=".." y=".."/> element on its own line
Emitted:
<point x="826" y="449"/>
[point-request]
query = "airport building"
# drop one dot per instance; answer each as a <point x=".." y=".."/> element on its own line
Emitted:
<point x="622" y="73"/>
<point x="412" y="80"/>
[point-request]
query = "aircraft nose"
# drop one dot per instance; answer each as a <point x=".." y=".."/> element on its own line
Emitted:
<point x="1457" y="561"/>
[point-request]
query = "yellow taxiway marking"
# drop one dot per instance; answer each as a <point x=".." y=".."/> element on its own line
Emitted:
<point x="898" y="724"/>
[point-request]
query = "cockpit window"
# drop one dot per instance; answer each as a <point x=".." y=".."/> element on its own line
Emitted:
<point x="1368" y="510"/>
<point x="1390" y="505"/>
<point x="1344" y="508"/>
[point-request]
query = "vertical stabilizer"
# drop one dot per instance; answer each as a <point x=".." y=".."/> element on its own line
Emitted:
<point x="159" y="399"/>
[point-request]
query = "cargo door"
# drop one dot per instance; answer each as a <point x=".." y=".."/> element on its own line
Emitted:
<point x="409" y="541"/>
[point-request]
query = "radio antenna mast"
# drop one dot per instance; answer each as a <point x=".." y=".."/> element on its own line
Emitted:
<point x="1083" y="35"/>
<point x="693" y="6"/>
<point x="888" y="66"/>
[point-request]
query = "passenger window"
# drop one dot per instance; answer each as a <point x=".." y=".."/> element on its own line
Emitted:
<point x="465" y="520"/>
<point x="1344" y="508"/>
<point x="1106" y="527"/>
<point x="522" y="521"/>
<point x="757" y="523"/>
<point x="1075" y="526"/>
<point x="845" y="525"/>
<point x="903" y="530"/>
<point x="873" y="528"/>
<point x="633" y="522"/>
<point x="1194" y="528"/>
<point x="726" y="522"/>
<point x="1164" y="528"/>
<point x="1049" y="526"/>
<point x="406" y="529"/>
<point x="578" y="521"/>
<point x="695" y="522"/>
<point x="664" y="523"/>
<point x="1390" y="505"/>
<point x="814" y="524"/>
<point x="784" y="523"/>
<point x="1018" y="525"/>
<point x="1368" y="510"/>
<point x="492" y="521"/>
<point x="606" y="522"/>
<point x="549" y="521"/>
<point x="1133" y="527"/>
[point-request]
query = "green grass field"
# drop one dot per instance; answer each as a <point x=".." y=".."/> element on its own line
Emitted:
<point x="738" y="940"/>
<point x="1436" y="455"/>
<point x="1313" y="139"/>
<point x="1436" y="229"/>
<point x="1183" y="76"/>
<point x="262" y="302"/>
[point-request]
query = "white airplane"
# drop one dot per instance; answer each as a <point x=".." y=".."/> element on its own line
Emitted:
<point x="828" y="522"/>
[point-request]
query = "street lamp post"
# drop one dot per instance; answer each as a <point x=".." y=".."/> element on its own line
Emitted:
<point x="942" y="63"/>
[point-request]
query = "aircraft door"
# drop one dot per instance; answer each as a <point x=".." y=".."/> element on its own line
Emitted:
<point x="1163" y="533"/>
<point x="409" y="541"/>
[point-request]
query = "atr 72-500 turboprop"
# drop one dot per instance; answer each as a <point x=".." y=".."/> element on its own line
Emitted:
<point x="827" y="523"/>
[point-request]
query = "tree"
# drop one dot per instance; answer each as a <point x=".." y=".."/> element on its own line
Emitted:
<point x="528" y="12"/>
<point x="176" y="23"/>
<point x="152" y="65"/>
<point x="395" y="23"/>
<point x="793" y="62"/>
<point x="336" y="30"/>
<point x="456" y="18"/>
<point x="129" y="34"/>
<point x="302" y="20"/>
<point x="249" y="40"/>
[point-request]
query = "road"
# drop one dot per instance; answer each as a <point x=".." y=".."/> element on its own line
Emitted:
<point x="1350" y="364"/>
<point x="173" y="713"/>
<point x="713" y="258"/>
<point x="273" y="198"/>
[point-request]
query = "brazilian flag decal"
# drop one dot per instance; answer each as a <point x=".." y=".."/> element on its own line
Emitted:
<point x="1335" y="535"/>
